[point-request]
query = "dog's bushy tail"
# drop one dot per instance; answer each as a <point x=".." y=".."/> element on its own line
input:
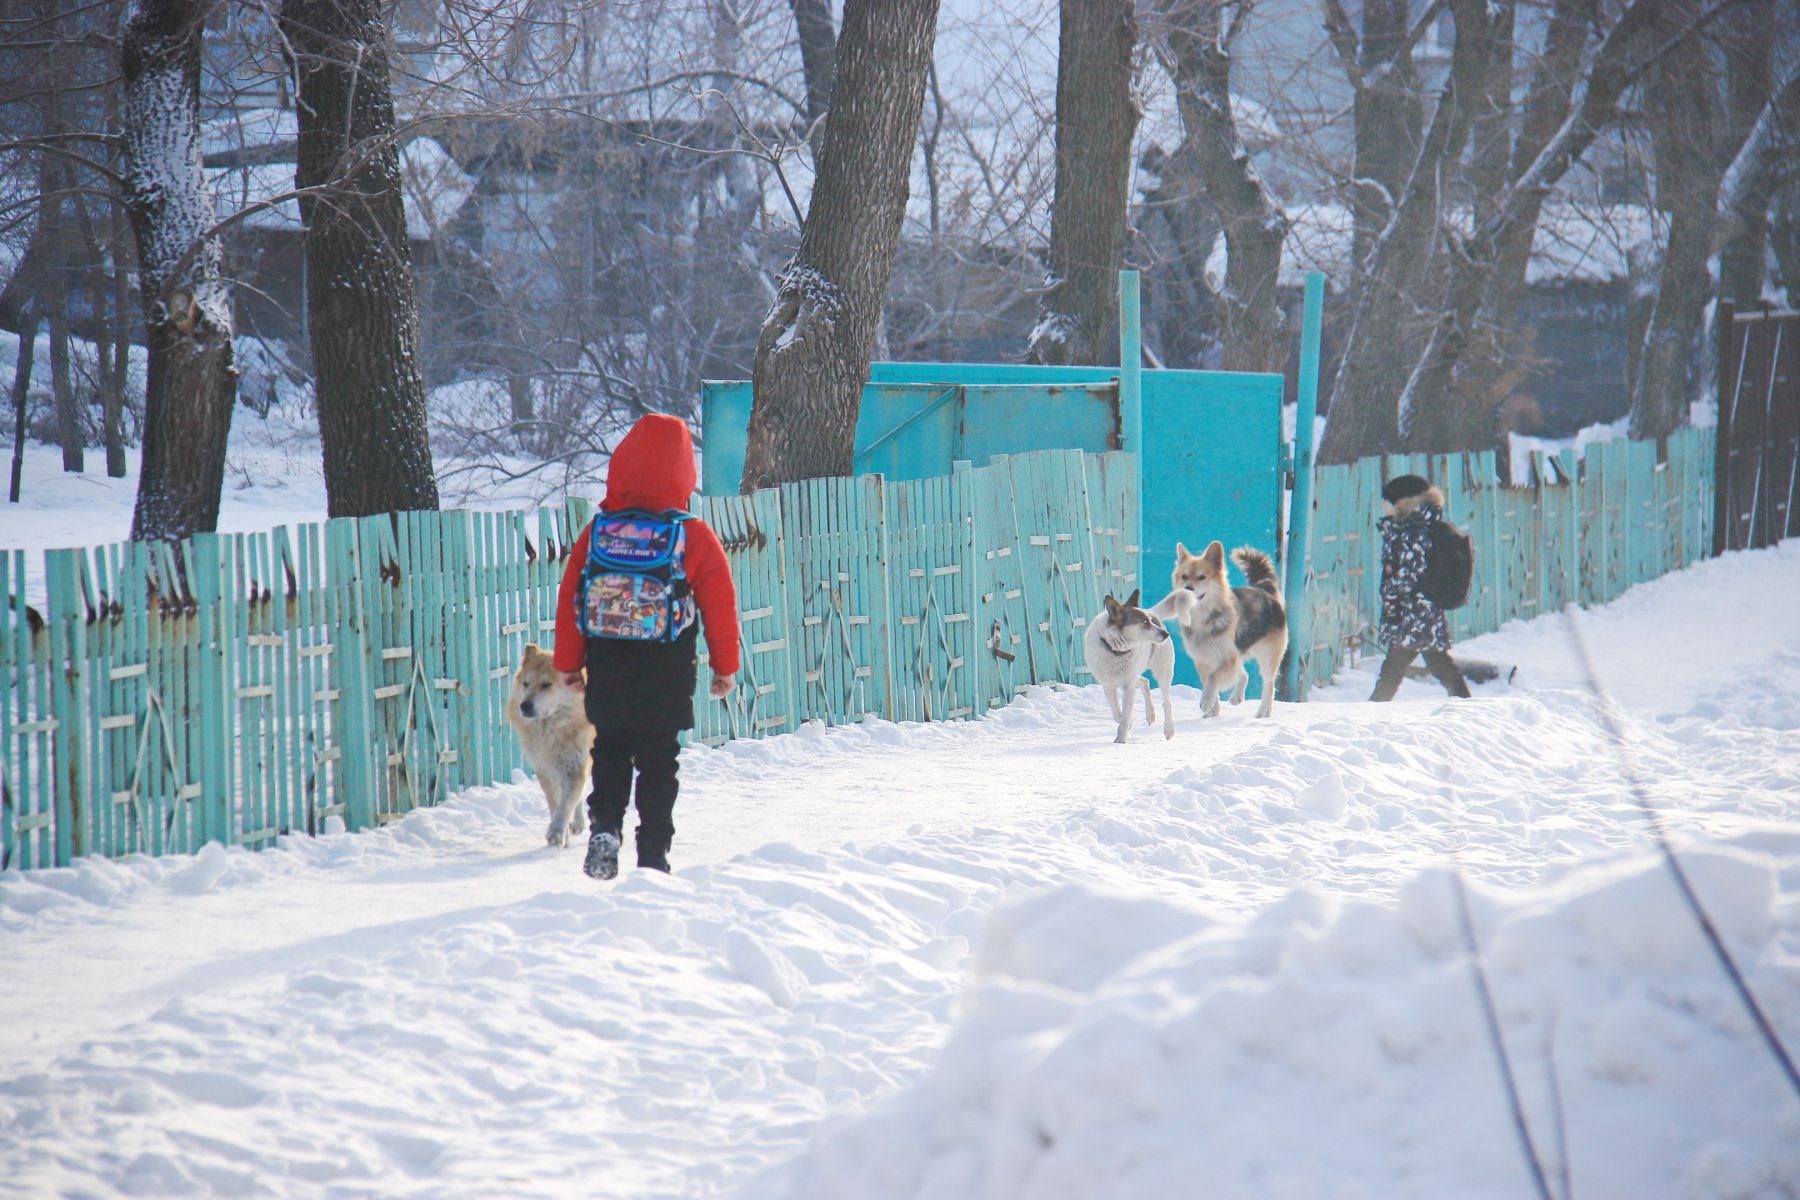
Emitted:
<point x="1258" y="571"/>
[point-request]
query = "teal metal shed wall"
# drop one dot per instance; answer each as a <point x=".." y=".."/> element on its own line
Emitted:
<point x="1211" y="458"/>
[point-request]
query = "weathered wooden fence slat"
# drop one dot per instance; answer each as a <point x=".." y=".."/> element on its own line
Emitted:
<point x="1582" y="531"/>
<point x="239" y="688"/>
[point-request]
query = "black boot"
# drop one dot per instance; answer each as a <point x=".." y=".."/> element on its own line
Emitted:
<point x="602" y="860"/>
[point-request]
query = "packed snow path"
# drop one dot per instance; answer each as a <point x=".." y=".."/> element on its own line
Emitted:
<point x="447" y="1008"/>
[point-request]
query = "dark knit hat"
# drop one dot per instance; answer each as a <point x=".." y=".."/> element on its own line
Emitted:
<point x="1402" y="487"/>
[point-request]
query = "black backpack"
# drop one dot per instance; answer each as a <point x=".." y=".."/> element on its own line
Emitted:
<point x="1449" y="566"/>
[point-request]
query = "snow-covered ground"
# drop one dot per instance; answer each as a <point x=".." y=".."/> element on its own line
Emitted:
<point x="1003" y="958"/>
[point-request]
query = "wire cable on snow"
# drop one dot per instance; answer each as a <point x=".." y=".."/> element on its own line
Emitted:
<point x="1609" y="718"/>
<point x="1491" y="1016"/>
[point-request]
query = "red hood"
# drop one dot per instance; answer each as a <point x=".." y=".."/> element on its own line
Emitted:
<point x="653" y="467"/>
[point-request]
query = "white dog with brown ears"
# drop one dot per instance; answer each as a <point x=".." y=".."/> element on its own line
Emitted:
<point x="1120" y="643"/>
<point x="548" y="710"/>
<point x="1221" y="626"/>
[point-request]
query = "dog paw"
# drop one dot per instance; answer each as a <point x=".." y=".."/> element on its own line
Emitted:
<point x="557" y="835"/>
<point x="1168" y="732"/>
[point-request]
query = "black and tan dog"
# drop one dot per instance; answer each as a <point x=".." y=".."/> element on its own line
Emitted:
<point x="1221" y="626"/>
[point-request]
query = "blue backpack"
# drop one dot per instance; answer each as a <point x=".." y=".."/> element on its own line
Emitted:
<point x="634" y="587"/>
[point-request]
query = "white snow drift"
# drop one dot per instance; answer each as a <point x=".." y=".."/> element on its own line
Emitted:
<point x="1003" y="958"/>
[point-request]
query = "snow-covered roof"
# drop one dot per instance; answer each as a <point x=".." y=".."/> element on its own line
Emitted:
<point x="248" y="129"/>
<point x="1574" y="244"/>
<point x="435" y="190"/>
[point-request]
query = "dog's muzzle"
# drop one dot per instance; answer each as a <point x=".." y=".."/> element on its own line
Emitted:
<point x="526" y="710"/>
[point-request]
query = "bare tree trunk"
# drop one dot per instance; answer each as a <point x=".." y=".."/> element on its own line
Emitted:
<point x="818" y="55"/>
<point x="69" y="433"/>
<point x="192" y="381"/>
<point x="362" y="308"/>
<point x="1196" y="51"/>
<point x="1365" y="402"/>
<point x="21" y="391"/>
<point x="110" y="355"/>
<point x="812" y="358"/>
<point x="1180" y="303"/>
<point x="1750" y="81"/>
<point x="1442" y="426"/>
<point x="56" y="185"/>
<point x="1490" y="136"/>
<point x="1095" y="120"/>
<point x="1773" y="139"/>
<point x="1473" y="399"/>
<point x="118" y="379"/>
<point x="1389" y="111"/>
<point x="1681" y="109"/>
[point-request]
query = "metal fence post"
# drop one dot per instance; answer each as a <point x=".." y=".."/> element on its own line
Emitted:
<point x="1296" y="563"/>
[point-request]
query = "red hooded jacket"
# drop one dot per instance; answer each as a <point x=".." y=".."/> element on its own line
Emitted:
<point x="653" y="468"/>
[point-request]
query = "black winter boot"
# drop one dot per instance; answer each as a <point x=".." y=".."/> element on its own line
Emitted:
<point x="652" y="856"/>
<point x="602" y="855"/>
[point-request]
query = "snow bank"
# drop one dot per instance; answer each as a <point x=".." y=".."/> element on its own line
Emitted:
<point x="1002" y="957"/>
<point x="1129" y="1046"/>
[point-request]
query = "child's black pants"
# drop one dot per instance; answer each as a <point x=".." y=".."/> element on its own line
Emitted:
<point x="655" y="756"/>
<point x="1438" y="662"/>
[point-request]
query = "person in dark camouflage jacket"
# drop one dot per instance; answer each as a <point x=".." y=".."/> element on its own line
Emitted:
<point x="1411" y="624"/>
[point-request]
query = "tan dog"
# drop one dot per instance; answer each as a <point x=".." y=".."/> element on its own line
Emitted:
<point x="1221" y="626"/>
<point x="547" y="709"/>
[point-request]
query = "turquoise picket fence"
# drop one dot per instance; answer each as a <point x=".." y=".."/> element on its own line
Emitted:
<point x="1581" y="532"/>
<point x="235" y="688"/>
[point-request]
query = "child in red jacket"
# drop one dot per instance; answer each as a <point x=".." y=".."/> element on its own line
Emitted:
<point x="640" y="689"/>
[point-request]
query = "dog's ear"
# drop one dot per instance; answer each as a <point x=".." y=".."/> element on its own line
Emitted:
<point x="1131" y="601"/>
<point x="1181" y="553"/>
<point x="1112" y="606"/>
<point x="1215" y="554"/>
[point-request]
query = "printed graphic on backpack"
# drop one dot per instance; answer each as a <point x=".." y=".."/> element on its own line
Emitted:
<point x="634" y="587"/>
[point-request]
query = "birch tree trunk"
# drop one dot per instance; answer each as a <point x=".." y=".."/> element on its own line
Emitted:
<point x="192" y="378"/>
<point x="362" y="310"/>
<point x="1095" y="120"/>
<point x="1196" y="51"/>
<point x="812" y="358"/>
